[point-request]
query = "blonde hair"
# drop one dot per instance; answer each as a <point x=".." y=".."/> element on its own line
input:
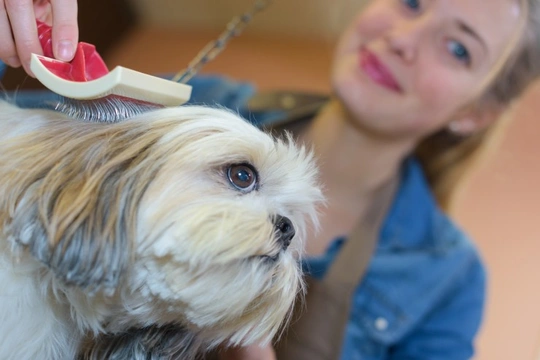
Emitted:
<point x="446" y="157"/>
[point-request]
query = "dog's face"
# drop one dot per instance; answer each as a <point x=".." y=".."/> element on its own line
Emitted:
<point x="193" y="215"/>
<point x="221" y="224"/>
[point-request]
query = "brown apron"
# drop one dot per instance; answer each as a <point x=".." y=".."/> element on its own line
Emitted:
<point x="317" y="334"/>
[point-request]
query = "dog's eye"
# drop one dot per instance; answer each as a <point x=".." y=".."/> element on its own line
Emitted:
<point x="243" y="177"/>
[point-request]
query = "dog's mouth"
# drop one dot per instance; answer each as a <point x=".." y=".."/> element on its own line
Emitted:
<point x="271" y="258"/>
<point x="267" y="258"/>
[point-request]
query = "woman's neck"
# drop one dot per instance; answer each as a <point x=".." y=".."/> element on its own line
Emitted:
<point x="353" y="162"/>
<point x="354" y="166"/>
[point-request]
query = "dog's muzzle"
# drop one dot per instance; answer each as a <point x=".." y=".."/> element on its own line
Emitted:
<point x="284" y="231"/>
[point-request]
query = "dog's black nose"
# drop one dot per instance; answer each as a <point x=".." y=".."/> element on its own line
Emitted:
<point x="284" y="230"/>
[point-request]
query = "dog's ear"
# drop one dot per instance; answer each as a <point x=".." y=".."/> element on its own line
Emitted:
<point x="75" y="207"/>
<point x="84" y="237"/>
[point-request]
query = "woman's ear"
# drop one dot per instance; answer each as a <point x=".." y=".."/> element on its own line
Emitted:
<point x="475" y="119"/>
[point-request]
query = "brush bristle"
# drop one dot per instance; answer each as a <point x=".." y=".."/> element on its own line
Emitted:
<point x="108" y="109"/>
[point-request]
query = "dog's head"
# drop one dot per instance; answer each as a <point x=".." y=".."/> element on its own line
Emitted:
<point x="197" y="215"/>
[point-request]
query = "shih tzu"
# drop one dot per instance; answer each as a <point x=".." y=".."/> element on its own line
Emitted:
<point x="158" y="237"/>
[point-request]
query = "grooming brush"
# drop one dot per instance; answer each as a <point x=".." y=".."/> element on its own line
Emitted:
<point x="90" y="92"/>
<point x="86" y="83"/>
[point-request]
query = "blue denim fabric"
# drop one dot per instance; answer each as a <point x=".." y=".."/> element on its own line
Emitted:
<point x="2" y="69"/>
<point x="423" y="293"/>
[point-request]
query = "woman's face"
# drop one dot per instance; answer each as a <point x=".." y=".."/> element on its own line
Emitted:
<point x="406" y="67"/>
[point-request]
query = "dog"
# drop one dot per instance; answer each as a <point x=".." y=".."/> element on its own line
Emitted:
<point x="170" y="233"/>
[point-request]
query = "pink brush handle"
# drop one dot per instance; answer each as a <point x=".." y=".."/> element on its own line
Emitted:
<point x="86" y="65"/>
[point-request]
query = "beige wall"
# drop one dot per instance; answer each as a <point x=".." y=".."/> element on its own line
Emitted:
<point x="296" y="18"/>
<point x="500" y="208"/>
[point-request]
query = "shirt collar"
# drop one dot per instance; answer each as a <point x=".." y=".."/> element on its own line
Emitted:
<point x="408" y="221"/>
<point x="407" y="225"/>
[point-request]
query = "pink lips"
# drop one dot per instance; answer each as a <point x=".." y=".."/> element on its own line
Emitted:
<point x="377" y="72"/>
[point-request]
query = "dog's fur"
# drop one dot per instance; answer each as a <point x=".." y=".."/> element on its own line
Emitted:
<point x="114" y="230"/>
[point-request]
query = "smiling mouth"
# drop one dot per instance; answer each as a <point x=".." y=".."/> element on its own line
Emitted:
<point x="377" y="71"/>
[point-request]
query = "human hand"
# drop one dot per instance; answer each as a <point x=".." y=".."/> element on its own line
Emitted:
<point x="252" y="352"/>
<point x="18" y="29"/>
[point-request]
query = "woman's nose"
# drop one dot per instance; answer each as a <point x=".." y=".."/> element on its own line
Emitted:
<point x="407" y="36"/>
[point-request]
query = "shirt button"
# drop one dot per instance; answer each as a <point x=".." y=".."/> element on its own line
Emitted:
<point x="381" y="324"/>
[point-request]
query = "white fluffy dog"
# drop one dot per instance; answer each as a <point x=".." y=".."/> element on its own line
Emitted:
<point x="167" y="233"/>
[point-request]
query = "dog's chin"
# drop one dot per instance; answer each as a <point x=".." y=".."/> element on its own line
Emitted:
<point x="239" y="302"/>
<point x="263" y="301"/>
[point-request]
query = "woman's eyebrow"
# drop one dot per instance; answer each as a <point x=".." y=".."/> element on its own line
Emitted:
<point x="471" y="32"/>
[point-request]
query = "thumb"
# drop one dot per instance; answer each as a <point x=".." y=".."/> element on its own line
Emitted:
<point x="65" y="29"/>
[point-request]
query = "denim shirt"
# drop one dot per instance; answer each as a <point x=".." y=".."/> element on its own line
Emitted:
<point x="423" y="293"/>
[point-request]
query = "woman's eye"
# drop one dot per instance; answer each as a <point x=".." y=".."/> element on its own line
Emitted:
<point x="243" y="177"/>
<point x="459" y="51"/>
<point x="412" y="4"/>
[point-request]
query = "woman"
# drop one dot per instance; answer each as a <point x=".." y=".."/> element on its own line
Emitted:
<point x="418" y="86"/>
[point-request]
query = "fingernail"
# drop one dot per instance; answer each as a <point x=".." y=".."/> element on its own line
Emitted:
<point x="14" y="61"/>
<point x="65" y="50"/>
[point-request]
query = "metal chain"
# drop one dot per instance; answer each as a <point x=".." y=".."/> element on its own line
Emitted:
<point x="213" y="48"/>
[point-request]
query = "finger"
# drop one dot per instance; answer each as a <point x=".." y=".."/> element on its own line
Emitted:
<point x="8" y="52"/>
<point x="43" y="11"/>
<point x="23" y="25"/>
<point x="65" y="31"/>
